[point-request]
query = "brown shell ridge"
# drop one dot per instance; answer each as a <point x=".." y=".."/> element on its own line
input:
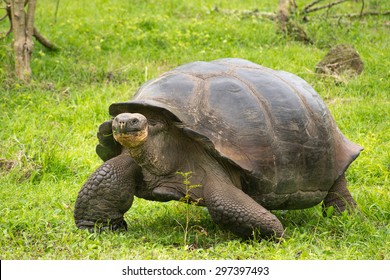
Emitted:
<point x="340" y="166"/>
<point x="268" y="119"/>
<point x="345" y="150"/>
<point x="293" y="88"/>
<point x="208" y="114"/>
<point x="276" y="141"/>
<point x="234" y="152"/>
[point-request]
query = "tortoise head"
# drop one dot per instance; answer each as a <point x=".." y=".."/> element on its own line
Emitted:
<point x="152" y="140"/>
<point x="130" y="130"/>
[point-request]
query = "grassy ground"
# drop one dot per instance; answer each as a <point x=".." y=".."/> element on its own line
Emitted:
<point x="108" y="49"/>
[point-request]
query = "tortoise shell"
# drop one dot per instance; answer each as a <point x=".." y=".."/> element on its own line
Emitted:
<point x="271" y="124"/>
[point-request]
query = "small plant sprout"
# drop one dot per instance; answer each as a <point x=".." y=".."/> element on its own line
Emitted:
<point x="188" y="201"/>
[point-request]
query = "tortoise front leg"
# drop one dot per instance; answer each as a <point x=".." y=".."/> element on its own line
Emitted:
<point x="108" y="194"/>
<point x="233" y="209"/>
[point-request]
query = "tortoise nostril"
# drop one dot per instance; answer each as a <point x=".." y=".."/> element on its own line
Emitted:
<point x="122" y="124"/>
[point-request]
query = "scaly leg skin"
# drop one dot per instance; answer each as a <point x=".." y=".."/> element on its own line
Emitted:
<point x="339" y="197"/>
<point x="233" y="209"/>
<point x="108" y="194"/>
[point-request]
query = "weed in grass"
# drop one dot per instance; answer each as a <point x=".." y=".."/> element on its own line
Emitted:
<point x="188" y="203"/>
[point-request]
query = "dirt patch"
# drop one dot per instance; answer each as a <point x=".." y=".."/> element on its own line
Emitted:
<point x="7" y="165"/>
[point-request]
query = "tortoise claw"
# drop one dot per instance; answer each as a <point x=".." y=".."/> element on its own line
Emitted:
<point x="98" y="227"/>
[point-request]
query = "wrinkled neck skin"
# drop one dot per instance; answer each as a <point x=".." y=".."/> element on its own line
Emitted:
<point x="168" y="152"/>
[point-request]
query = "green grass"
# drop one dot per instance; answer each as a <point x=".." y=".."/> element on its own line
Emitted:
<point x="108" y="49"/>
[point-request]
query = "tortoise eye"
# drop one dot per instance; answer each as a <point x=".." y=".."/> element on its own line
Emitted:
<point x="152" y="122"/>
<point x="156" y="126"/>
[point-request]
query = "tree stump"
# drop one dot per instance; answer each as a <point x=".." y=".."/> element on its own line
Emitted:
<point x="23" y="28"/>
<point x="21" y="14"/>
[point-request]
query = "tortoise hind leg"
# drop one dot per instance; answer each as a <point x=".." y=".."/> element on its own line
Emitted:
<point x="339" y="197"/>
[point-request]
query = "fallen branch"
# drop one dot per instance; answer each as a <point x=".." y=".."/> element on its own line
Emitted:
<point x="247" y="13"/>
<point x="362" y="14"/>
<point x="307" y="7"/>
<point x="45" y="42"/>
<point x="257" y="13"/>
<point x="310" y="9"/>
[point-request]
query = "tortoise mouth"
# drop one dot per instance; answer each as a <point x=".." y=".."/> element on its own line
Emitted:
<point x="127" y="132"/>
<point x="131" y="139"/>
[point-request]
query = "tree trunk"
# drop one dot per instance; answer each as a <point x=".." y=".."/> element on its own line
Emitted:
<point x="283" y="14"/>
<point x="23" y="29"/>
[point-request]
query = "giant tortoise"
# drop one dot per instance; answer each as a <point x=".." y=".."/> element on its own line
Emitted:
<point x="255" y="140"/>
